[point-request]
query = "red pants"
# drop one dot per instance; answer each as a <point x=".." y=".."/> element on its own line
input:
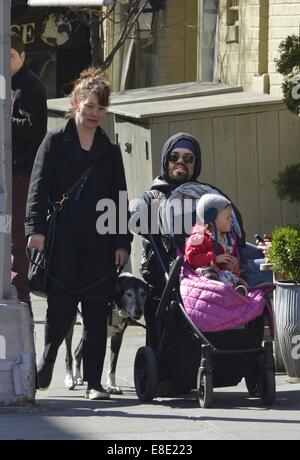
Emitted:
<point x="20" y="185"/>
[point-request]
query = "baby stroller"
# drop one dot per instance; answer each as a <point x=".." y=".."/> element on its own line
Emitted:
<point x="187" y="358"/>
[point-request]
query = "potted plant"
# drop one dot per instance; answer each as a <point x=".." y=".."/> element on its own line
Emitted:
<point x="285" y="257"/>
<point x="285" y="250"/>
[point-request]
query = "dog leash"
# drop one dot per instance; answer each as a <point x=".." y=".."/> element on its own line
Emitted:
<point x="56" y="208"/>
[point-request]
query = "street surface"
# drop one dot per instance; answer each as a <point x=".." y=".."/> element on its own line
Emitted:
<point x="66" y="415"/>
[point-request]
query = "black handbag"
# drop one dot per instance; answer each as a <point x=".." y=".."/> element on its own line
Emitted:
<point x="40" y="261"/>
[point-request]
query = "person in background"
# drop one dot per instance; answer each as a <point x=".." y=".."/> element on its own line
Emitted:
<point x="29" y="126"/>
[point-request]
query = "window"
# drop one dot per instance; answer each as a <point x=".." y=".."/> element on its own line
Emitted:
<point x="232" y="21"/>
<point x="232" y="12"/>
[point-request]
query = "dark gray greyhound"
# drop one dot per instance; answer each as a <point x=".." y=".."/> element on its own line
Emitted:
<point x="127" y="308"/>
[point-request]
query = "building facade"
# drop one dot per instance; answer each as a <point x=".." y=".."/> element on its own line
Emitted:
<point x="230" y="41"/>
<point x="241" y="37"/>
<point x="250" y="34"/>
<point x="162" y="50"/>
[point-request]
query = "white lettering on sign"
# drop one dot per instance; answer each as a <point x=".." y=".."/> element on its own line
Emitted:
<point x="296" y="348"/>
<point x="27" y="32"/>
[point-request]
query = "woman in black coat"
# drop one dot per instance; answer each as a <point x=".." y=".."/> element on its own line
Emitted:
<point x="86" y="257"/>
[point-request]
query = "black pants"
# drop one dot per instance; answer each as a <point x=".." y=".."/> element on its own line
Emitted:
<point x="20" y="263"/>
<point x="60" y="316"/>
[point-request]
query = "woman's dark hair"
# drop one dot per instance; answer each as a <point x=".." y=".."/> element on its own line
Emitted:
<point x="91" y="80"/>
<point x="17" y="42"/>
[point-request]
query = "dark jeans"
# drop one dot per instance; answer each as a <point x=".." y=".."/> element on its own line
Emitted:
<point x="60" y="316"/>
<point x="19" y="269"/>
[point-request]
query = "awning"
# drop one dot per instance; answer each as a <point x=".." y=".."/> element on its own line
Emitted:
<point x="71" y="2"/>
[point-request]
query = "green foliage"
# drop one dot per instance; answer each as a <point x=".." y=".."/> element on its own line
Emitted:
<point x="285" y="252"/>
<point x="289" y="50"/>
<point x="290" y="89"/>
<point x="288" y="183"/>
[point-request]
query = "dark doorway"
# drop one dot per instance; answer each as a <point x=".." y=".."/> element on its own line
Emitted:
<point x="69" y="64"/>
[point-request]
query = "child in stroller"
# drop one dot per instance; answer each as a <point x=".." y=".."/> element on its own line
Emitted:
<point x="211" y="249"/>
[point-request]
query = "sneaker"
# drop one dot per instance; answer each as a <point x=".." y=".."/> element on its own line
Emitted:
<point x="242" y="290"/>
<point x="44" y="375"/>
<point x="96" y="393"/>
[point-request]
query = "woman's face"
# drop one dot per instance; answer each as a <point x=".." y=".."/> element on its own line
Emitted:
<point x="16" y="61"/>
<point x="89" y="113"/>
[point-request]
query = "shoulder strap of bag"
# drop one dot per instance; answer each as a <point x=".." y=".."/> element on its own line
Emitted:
<point x="57" y="206"/>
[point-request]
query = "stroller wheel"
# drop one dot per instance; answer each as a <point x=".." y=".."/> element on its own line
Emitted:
<point x="253" y="388"/>
<point x="205" y="389"/>
<point x="145" y="374"/>
<point x="252" y="378"/>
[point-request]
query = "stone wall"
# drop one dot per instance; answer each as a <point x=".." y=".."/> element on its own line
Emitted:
<point x="263" y="24"/>
<point x="243" y="46"/>
<point x="284" y="19"/>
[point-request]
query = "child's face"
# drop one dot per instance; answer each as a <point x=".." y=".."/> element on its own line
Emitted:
<point x="224" y="220"/>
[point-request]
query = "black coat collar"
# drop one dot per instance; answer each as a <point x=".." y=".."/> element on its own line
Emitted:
<point x="72" y="148"/>
<point x="73" y="158"/>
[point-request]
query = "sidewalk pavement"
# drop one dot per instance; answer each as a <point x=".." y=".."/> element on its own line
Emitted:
<point x="66" y="415"/>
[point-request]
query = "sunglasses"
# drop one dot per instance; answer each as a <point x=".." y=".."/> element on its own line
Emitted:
<point x="187" y="158"/>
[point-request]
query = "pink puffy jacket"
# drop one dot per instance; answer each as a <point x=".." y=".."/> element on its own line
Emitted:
<point x="214" y="306"/>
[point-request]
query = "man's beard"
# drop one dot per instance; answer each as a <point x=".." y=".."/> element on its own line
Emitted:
<point x="180" y="176"/>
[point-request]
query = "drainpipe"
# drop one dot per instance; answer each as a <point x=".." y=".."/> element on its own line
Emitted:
<point x="5" y="150"/>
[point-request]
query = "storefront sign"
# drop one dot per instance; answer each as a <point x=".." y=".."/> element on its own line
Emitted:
<point x="47" y="27"/>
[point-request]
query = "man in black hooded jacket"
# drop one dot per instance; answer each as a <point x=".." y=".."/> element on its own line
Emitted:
<point x="181" y="163"/>
<point x="29" y="126"/>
